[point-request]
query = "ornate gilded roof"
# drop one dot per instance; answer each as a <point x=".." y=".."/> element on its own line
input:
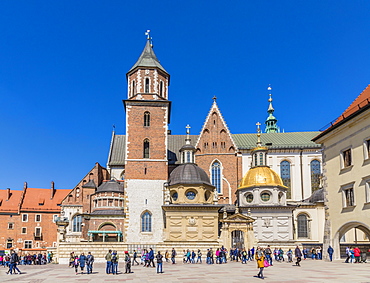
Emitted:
<point x="261" y="176"/>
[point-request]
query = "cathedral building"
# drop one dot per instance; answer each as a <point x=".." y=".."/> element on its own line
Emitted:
<point x="217" y="188"/>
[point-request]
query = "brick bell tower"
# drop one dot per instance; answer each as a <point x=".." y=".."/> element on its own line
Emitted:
<point x="146" y="166"/>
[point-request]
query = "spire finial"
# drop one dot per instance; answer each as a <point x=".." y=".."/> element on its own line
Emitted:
<point x="149" y="38"/>
<point x="187" y="141"/>
<point x="258" y="124"/>
<point x="147" y="33"/>
<point x="270" y="94"/>
<point x="214" y="98"/>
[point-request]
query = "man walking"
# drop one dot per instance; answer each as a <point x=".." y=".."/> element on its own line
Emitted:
<point x="14" y="259"/>
<point x="268" y="253"/>
<point x="89" y="262"/>
<point x="128" y="262"/>
<point x="330" y="252"/>
<point x="108" y="258"/>
<point x="298" y="255"/>
<point x="151" y="257"/>
<point x="173" y="256"/>
<point x="134" y="256"/>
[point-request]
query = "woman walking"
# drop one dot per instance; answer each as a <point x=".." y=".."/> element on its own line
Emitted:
<point x="260" y="258"/>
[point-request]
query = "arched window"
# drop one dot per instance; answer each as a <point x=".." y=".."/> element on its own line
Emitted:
<point x="133" y="91"/>
<point x="188" y="157"/>
<point x="315" y="174"/>
<point x="255" y="159"/>
<point x="261" y="158"/>
<point x="146" y="148"/>
<point x="146" y="222"/>
<point x="302" y="223"/>
<point x="77" y="223"/>
<point x="146" y="119"/>
<point x="147" y="85"/>
<point x="216" y="175"/>
<point x="285" y="176"/>
<point x="161" y="88"/>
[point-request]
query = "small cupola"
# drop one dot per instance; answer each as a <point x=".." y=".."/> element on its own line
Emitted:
<point x="187" y="151"/>
<point x="259" y="153"/>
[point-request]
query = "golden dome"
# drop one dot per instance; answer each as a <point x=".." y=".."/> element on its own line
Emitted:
<point x="261" y="176"/>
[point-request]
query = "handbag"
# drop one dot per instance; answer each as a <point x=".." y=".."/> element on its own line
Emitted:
<point x="266" y="263"/>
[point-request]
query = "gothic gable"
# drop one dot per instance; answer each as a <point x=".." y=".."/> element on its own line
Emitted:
<point x="215" y="136"/>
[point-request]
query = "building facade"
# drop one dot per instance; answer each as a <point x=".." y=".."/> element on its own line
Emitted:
<point x="346" y="148"/>
<point x="28" y="218"/>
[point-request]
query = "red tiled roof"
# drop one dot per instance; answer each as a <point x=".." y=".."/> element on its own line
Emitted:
<point x="362" y="100"/>
<point x="40" y="199"/>
<point x="11" y="205"/>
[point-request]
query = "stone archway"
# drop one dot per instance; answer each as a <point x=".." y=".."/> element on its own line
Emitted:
<point x="343" y="230"/>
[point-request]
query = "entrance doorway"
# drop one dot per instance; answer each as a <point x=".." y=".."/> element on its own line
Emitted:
<point x="237" y="239"/>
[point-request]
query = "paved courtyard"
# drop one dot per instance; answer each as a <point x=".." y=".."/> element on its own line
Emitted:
<point x="311" y="271"/>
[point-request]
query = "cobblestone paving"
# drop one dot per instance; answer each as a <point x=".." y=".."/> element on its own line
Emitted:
<point x="310" y="271"/>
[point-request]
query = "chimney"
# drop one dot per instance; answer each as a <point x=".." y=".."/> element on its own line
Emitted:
<point x="8" y="194"/>
<point x="25" y="186"/>
<point x="52" y="190"/>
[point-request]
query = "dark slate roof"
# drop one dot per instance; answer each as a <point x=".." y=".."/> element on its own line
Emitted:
<point x="148" y="59"/>
<point x="242" y="141"/>
<point x="317" y="196"/>
<point x="118" y="150"/>
<point x="108" y="212"/>
<point x="90" y="184"/>
<point x="277" y="140"/>
<point x="110" y="186"/>
<point x="188" y="173"/>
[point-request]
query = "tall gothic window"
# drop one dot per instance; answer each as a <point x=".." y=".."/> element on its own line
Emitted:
<point x="133" y="88"/>
<point x="315" y="174"/>
<point x="161" y="88"/>
<point x="77" y="223"/>
<point x="216" y="175"/>
<point x="146" y="119"/>
<point x="302" y="223"/>
<point x="146" y="222"/>
<point x="285" y="176"/>
<point x="146" y="148"/>
<point x="147" y="85"/>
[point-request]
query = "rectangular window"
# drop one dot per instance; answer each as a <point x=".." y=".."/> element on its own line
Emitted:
<point x="367" y="190"/>
<point x="348" y="196"/>
<point x="9" y="244"/>
<point x="28" y="244"/>
<point x="24" y="217"/>
<point x="367" y="149"/>
<point x="347" y="158"/>
<point x="38" y="232"/>
<point x="24" y="230"/>
<point x="38" y="218"/>
<point x="10" y="225"/>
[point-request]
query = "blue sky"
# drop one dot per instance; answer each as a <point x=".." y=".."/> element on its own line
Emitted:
<point x="63" y="67"/>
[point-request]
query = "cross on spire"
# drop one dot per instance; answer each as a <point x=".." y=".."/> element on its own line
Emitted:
<point x="147" y="33"/>
<point x="258" y="124"/>
<point x="187" y="129"/>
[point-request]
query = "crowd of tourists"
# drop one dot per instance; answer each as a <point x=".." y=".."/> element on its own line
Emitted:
<point x="28" y="259"/>
<point x="264" y="257"/>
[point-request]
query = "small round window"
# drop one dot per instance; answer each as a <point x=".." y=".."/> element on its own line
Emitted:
<point x="249" y="198"/>
<point x="265" y="196"/>
<point x="190" y="195"/>
<point x="175" y="196"/>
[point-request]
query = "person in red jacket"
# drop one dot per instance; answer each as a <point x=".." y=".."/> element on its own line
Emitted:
<point x="357" y="254"/>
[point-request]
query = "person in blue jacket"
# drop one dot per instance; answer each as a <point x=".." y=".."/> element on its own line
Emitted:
<point x="330" y="252"/>
<point x="151" y="257"/>
<point x="82" y="262"/>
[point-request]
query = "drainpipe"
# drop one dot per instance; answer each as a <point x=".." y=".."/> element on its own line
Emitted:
<point x="301" y="168"/>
